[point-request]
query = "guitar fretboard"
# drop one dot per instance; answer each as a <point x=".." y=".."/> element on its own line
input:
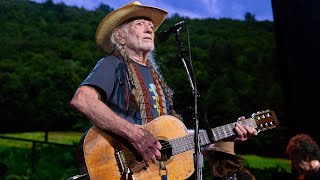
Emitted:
<point x="225" y="131"/>
<point x="186" y="143"/>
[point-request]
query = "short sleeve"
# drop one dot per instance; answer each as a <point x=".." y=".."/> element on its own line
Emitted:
<point x="102" y="77"/>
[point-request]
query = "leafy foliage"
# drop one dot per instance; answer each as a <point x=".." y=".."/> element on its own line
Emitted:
<point x="34" y="163"/>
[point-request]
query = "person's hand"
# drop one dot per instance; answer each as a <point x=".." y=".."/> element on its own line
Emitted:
<point x="147" y="146"/>
<point x="243" y="132"/>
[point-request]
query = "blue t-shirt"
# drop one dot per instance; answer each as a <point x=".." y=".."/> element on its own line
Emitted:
<point x="110" y="78"/>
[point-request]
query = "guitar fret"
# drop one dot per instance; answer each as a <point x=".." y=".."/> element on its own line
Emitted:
<point x="218" y="131"/>
<point x="223" y="132"/>
<point x="186" y="143"/>
<point x="181" y="144"/>
<point x="204" y="139"/>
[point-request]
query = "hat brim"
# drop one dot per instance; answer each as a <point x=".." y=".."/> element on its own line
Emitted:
<point x="116" y="17"/>
<point x="226" y="148"/>
<point x="230" y="155"/>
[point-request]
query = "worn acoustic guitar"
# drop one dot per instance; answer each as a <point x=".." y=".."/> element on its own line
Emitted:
<point x="108" y="157"/>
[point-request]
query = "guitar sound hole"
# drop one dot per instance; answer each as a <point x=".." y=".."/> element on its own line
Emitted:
<point x="166" y="150"/>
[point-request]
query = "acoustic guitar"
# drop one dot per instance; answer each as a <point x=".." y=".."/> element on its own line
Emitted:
<point x="109" y="157"/>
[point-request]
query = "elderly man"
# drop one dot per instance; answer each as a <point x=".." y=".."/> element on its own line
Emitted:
<point x="122" y="95"/>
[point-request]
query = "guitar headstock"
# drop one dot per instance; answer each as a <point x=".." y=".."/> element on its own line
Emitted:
<point x="265" y="120"/>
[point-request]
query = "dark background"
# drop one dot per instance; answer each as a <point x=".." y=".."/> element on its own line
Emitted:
<point x="297" y="28"/>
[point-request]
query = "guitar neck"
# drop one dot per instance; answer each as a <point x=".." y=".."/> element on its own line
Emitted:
<point x="226" y="131"/>
<point x="186" y="143"/>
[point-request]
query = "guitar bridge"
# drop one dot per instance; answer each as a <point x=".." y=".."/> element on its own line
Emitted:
<point x="121" y="162"/>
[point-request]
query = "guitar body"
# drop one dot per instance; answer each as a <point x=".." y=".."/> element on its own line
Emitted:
<point x="100" y="151"/>
<point x="109" y="157"/>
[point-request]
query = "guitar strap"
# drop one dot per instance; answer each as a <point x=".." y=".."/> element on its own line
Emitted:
<point x="163" y="171"/>
<point x="164" y="177"/>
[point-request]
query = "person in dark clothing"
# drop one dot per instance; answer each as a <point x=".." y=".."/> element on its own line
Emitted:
<point x="304" y="156"/>
<point x="225" y="164"/>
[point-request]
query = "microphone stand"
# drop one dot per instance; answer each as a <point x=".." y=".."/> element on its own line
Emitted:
<point x="198" y="157"/>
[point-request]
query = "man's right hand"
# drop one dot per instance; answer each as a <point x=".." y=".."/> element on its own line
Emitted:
<point x="148" y="146"/>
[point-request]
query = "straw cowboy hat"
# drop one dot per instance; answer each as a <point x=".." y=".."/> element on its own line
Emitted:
<point x="118" y="16"/>
<point x="224" y="147"/>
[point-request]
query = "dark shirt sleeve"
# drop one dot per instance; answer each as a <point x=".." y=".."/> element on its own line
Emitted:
<point x="102" y="77"/>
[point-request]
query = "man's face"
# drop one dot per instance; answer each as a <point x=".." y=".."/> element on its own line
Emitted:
<point x="140" y="35"/>
<point x="304" y="167"/>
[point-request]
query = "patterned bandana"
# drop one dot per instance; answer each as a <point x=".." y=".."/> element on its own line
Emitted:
<point x="144" y="104"/>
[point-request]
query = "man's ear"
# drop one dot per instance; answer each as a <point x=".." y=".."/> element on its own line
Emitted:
<point x="120" y="36"/>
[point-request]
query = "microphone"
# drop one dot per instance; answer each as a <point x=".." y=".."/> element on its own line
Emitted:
<point x="163" y="36"/>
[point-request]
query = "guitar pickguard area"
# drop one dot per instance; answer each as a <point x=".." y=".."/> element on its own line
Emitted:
<point x="129" y="163"/>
